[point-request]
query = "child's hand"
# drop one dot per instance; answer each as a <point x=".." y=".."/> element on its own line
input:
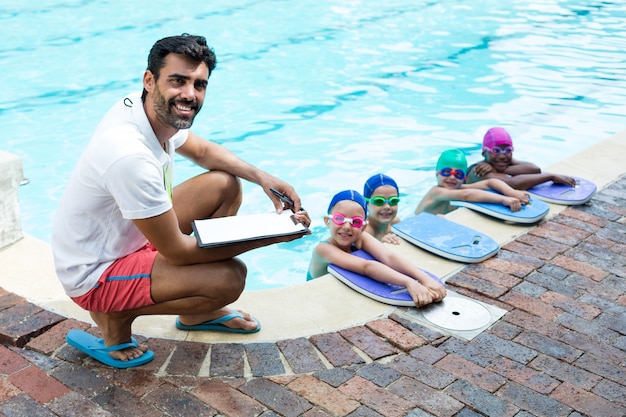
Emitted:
<point x="420" y="294"/>
<point x="303" y="217"/>
<point x="522" y="196"/>
<point x="391" y="238"/>
<point x="513" y="203"/>
<point x="482" y="168"/>
<point x="562" y="179"/>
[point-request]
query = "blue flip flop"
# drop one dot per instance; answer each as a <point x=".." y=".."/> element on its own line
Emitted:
<point x="218" y="324"/>
<point x="94" y="347"/>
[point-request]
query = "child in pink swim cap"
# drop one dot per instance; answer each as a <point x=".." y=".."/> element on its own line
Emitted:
<point x="499" y="163"/>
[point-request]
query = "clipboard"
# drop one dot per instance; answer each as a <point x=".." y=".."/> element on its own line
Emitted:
<point x="228" y="230"/>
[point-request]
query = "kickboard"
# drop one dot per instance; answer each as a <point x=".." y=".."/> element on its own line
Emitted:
<point x="564" y="194"/>
<point x="385" y="293"/>
<point x="446" y="238"/>
<point x="532" y="212"/>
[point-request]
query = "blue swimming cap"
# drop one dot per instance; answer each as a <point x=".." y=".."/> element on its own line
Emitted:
<point x="376" y="181"/>
<point x="348" y="195"/>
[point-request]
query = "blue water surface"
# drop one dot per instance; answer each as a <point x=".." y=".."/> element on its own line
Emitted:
<point x="320" y="93"/>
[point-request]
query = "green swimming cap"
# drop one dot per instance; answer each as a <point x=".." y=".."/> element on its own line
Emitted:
<point x="452" y="158"/>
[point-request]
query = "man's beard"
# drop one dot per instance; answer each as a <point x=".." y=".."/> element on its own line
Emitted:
<point x="164" y="113"/>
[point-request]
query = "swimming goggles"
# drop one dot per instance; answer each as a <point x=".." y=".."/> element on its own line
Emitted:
<point x="340" y="219"/>
<point x="497" y="150"/>
<point x="446" y="172"/>
<point x="381" y="201"/>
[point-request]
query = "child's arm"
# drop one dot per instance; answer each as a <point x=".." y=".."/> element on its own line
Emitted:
<point x="398" y="270"/>
<point x="503" y="188"/>
<point x="522" y="167"/>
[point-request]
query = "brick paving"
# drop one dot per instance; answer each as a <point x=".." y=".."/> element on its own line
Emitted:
<point x="560" y="350"/>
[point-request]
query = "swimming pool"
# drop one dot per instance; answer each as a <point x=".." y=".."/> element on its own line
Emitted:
<point x="321" y="93"/>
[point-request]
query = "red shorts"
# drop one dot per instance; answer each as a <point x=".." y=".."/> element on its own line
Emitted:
<point x="124" y="285"/>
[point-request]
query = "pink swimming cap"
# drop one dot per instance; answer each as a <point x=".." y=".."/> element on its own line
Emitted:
<point x="496" y="136"/>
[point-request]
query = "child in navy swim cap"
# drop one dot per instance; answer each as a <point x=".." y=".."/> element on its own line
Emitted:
<point x="382" y="195"/>
<point x="346" y="219"/>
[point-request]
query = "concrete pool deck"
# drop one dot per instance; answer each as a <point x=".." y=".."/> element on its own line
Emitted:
<point x="560" y="349"/>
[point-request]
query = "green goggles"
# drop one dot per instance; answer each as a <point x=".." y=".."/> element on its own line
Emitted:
<point x="381" y="201"/>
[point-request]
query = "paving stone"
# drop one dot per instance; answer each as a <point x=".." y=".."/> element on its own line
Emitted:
<point x="524" y="375"/>
<point x="81" y="379"/>
<point x="606" y="305"/>
<point x="588" y="218"/>
<point x="476" y="375"/>
<point x="605" y="289"/>
<point x="531" y="401"/>
<point x="7" y="390"/>
<point x="424" y="333"/>
<point x="550" y="283"/>
<point x="173" y="401"/>
<point x="563" y="371"/>
<point x="481" y="400"/>
<point x="323" y="395"/>
<point x="531" y="305"/>
<point x="581" y="268"/>
<point x="505" y="330"/>
<point x="380" y="400"/>
<point x="37" y="384"/>
<point x="336" y="349"/>
<point x="527" y="287"/>
<point x="22" y="405"/>
<point x="364" y="412"/>
<point x="471" y="352"/>
<point x="428" y="374"/>
<point x="468" y="412"/>
<point x="543" y="253"/>
<point x="554" y="271"/>
<point x="428" y="354"/>
<point x="570" y="305"/>
<point x="120" y="402"/>
<point x="54" y="337"/>
<point x="396" y="334"/>
<point x="550" y="247"/>
<point x="478" y="285"/>
<point x="586" y="402"/>
<point x="264" y="359"/>
<point x="620" y="343"/>
<point x="560" y="233"/>
<point x="335" y="376"/>
<point x="11" y="362"/>
<point x="22" y="322"/>
<point x="586" y="332"/>
<point x="550" y="347"/>
<point x="574" y="223"/>
<point x="163" y="349"/>
<point x="367" y="341"/>
<point x="611" y="391"/>
<point x="509" y="349"/>
<point x="379" y="374"/>
<point x="227" y="359"/>
<point x="615" y="322"/>
<point x="280" y="399"/>
<point x="188" y="358"/>
<point x="617" y="236"/>
<point x="301" y="355"/>
<point x="40" y="360"/>
<point x="9" y="299"/>
<point x="427" y="398"/>
<point x="600" y="366"/>
<point x="509" y="265"/>
<point x="480" y="271"/>
<point x="227" y="400"/>
<point x="75" y="405"/>
<point x="528" y="321"/>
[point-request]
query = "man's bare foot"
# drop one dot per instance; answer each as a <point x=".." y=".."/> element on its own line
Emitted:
<point x="116" y="329"/>
<point x="245" y="322"/>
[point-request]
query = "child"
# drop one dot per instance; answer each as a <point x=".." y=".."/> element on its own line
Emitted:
<point x="381" y="193"/>
<point x="451" y="169"/>
<point x="499" y="163"/>
<point x="345" y="221"/>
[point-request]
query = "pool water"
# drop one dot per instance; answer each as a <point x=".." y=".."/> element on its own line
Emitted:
<point x="320" y="93"/>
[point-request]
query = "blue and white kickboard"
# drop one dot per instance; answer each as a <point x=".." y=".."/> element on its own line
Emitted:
<point x="446" y="238"/>
<point x="564" y="194"/>
<point x="532" y="212"/>
<point x="379" y="291"/>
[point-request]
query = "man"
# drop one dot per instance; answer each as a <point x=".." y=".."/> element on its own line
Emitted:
<point x="121" y="236"/>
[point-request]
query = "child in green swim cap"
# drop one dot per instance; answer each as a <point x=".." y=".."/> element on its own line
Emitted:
<point x="451" y="173"/>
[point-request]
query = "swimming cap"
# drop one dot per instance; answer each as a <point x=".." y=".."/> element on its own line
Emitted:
<point x="348" y="195"/>
<point x="496" y="136"/>
<point x="376" y="181"/>
<point x="452" y="158"/>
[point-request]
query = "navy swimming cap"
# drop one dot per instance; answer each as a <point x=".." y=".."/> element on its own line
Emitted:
<point x="376" y="181"/>
<point x="348" y="195"/>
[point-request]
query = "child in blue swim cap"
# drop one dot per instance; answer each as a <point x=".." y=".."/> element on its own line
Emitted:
<point x="346" y="220"/>
<point x="383" y="196"/>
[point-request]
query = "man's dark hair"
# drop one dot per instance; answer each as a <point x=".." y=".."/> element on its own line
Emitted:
<point x="194" y="47"/>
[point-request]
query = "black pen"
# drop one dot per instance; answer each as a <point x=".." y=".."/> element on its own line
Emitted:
<point x="285" y="199"/>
